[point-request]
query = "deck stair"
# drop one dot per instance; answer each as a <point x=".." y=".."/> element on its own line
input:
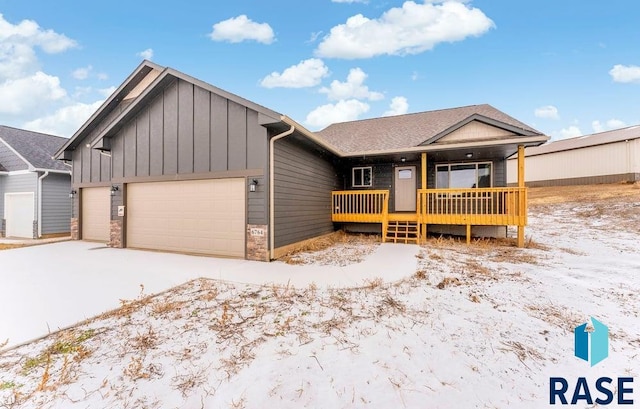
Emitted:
<point x="402" y="231"/>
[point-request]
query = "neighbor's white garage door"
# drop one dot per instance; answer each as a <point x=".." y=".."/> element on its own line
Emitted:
<point x="18" y="213"/>
<point x="96" y="213"/>
<point x="196" y="216"/>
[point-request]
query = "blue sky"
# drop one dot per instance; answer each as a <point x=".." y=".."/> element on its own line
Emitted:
<point x="564" y="67"/>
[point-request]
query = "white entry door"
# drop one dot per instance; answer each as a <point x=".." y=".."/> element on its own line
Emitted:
<point x="19" y="210"/>
<point x="405" y="191"/>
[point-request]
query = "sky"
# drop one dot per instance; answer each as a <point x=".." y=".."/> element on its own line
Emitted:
<point x="567" y="68"/>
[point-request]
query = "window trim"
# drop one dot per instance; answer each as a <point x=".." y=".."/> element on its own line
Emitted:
<point x="449" y="165"/>
<point x="361" y="169"/>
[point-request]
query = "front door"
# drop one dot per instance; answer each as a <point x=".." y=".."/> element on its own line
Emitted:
<point x="405" y="192"/>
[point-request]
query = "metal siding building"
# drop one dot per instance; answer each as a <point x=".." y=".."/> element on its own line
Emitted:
<point x="607" y="157"/>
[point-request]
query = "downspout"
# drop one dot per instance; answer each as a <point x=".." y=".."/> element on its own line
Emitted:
<point x="272" y="196"/>
<point x="39" y="219"/>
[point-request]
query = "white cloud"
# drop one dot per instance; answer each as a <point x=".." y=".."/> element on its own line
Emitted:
<point x="609" y="125"/>
<point x="341" y="111"/>
<point x="398" y="106"/>
<point x="82" y="73"/>
<point x="17" y="47"/>
<point x="597" y="127"/>
<point x="547" y="112"/>
<point x="415" y="76"/>
<point x="353" y="88"/>
<point x="411" y="29"/>
<point x="625" y="73"/>
<point x="105" y="92"/>
<point x="65" y="121"/>
<point x="21" y="95"/>
<point x="102" y="76"/>
<point x="570" y="132"/>
<point x="146" y="54"/>
<point x="307" y="73"/>
<point x="241" y="28"/>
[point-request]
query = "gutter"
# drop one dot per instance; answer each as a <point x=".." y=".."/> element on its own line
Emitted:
<point x="272" y="196"/>
<point x="39" y="218"/>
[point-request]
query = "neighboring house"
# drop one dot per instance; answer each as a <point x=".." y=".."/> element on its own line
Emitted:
<point x="171" y="163"/>
<point x="606" y="157"/>
<point x="34" y="187"/>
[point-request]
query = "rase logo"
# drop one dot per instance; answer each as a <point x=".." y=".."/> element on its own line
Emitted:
<point x="591" y="345"/>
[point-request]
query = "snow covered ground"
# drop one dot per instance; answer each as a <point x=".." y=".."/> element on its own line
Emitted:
<point x="481" y="326"/>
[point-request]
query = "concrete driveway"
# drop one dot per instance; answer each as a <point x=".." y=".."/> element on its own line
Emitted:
<point x="53" y="286"/>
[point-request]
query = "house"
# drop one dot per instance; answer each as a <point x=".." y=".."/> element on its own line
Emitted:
<point x="172" y="163"/>
<point x="34" y="187"/>
<point x="605" y="157"/>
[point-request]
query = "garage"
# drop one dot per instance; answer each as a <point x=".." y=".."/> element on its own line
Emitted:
<point x="18" y="213"/>
<point x="96" y="213"/>
<point x="195" y="216"/>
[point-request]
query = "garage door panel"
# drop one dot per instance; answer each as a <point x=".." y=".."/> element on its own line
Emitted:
<point x="96" y="213"/>
<point x="19" y="214"/>
<point x="201" y="216"/>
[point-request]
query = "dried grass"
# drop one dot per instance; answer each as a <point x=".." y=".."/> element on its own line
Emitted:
<point x="325" y="242"/>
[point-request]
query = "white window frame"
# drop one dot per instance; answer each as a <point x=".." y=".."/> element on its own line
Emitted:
<point x="362" y="169"/>
<point x="449" y="165"/>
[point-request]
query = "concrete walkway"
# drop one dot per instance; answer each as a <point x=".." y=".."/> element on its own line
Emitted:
<point x="45" y="288"/>
<point x="32" y="242"/>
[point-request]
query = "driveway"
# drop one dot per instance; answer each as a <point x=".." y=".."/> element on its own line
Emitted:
<point x="49" y="287"/>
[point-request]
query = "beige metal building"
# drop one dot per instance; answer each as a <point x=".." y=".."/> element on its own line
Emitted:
<point x="606" y="157"/>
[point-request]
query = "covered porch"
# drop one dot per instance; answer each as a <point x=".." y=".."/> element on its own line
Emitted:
<point x="477" y="206"/>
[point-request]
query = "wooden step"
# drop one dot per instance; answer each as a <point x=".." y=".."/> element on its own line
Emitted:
<point x="402" y="232"/>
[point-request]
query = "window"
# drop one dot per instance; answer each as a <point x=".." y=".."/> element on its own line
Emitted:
<point x="362" y="177"/>
<point x="404" y="174"/>
<point x="463" y="175"/>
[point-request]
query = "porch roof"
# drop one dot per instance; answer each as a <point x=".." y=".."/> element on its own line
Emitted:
<point x="397" y="133"/>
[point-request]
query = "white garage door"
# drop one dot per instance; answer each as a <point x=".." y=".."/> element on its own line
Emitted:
<point x="18" y="213"/>
<point x="96" y="213"/>
<point x="196" y="216"/>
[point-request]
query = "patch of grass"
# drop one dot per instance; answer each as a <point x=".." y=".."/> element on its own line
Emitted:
<point x="325" y="242"/>
<point x="10" y="246"/>
<point x="8" y="385"/>
<point x="66" y="344"/>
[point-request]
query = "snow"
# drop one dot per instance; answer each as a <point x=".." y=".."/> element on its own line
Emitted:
<point x="45" y="288"/>
<point x="483" y="325"/>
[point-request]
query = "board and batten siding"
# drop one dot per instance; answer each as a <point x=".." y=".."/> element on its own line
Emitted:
<point x="608" y="163"/>
<point x="183" y="130"/>
<point x="304" y="180"/>
<point x="56" y="205"/>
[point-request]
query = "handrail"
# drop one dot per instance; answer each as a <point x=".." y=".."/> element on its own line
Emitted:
<point x="360" y="205"/>
<point x="477" y="206"/>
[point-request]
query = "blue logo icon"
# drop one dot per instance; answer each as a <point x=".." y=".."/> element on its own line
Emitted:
<point x="592" y="345"/>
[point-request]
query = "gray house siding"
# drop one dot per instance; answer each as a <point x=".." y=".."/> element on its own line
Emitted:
<point x="187" y="131"/>
<point x="304" y="180"/>
<point x="56" y="205"/>
<point x="20" y="183"/>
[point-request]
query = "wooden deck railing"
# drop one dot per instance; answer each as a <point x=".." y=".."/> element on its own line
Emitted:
<point x="503" y="206"/>
<point x="365" y="206"/>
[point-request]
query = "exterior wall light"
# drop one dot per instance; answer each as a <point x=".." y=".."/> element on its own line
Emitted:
<point x="73" y="193"/>
<point x="469" y="155"/>
<point x="114" y="189"/>
<point x="253" y="185"/>
<point x="403" y="159"/>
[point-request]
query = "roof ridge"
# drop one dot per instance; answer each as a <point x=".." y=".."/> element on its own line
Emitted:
<point x="407" y="114"/>
<point x="36" y="132"/>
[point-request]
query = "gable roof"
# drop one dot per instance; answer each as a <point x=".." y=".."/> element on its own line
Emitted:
<point x="602" y="138"/>
<point x="136" y="82"/>
<point x="33" y="148"/>
<point x="412" y="130"/>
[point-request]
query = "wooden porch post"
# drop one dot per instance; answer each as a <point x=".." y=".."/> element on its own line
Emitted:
<point x="522" y="207"/>
<point x="423" y="226"/>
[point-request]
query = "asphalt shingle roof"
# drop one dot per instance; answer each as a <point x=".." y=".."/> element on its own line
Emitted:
<point x="37" y="148"/>
<point x="407" y="131"/>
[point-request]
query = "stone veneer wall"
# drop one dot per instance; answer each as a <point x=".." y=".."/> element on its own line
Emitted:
<point x="257" y="242"/>
<point x="75" y="231"/>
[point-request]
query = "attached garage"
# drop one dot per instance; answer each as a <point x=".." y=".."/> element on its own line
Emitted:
<point x="19" y="214"/>
<point x="96" y="213"/>
<point x="195" y="216"/>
